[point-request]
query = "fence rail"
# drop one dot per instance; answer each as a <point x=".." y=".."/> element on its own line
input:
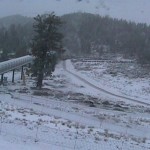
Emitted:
<point x="15" y="63"/>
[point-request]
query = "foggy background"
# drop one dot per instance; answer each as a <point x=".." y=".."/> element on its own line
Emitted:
<point x="134" y="10"/>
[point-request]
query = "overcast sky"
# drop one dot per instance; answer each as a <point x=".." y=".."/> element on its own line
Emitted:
<point x="135" y="10"/>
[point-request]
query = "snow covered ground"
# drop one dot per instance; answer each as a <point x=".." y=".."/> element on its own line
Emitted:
<point x="68" y="114"/>
<point x="116" y="78"/>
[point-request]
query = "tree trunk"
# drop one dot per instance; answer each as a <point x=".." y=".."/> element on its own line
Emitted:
<point x="39" y="80"/>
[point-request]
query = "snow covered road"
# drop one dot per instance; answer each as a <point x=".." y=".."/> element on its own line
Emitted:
<point x="113" y="95"/>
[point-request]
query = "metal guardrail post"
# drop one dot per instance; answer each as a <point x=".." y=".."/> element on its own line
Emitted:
<point x="13" y="75"/>
<point x="2" y="78"/>
<point x="29" y="65"/>
<point x="21" y="72"/>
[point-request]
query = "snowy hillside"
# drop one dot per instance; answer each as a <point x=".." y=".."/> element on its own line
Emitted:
<point x="69" y="114"/>
<point x="124" y="78"/>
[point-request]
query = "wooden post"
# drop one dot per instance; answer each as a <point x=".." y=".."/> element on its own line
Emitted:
<point x="29" y="65"/>
<point x="2" y="78"/>
<point x="13" y="75"/>
<point x="21" y="72"/>
<point x="24" y="79"/>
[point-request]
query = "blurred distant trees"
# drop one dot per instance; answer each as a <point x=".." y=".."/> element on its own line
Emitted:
<point x="83" y="34"/>
<point x="15" y="40"/>
<point x="93" y="32"/>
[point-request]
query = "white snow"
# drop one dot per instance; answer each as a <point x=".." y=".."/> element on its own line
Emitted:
<point x="137" y="88"/>
<point x="62" y="120"/>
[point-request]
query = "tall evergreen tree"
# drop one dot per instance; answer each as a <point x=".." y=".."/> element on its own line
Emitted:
<point x="47" y="38"/>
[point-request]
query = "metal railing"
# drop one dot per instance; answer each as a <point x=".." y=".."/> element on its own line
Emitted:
<point x="15" y="63"/>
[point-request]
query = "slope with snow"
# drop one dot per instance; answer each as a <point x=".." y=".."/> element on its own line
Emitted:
<point x="106" y="76"/>
<point x="68" y="114"/>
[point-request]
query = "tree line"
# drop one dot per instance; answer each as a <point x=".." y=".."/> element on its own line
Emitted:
<point x="15" y="40"/>
<point x="83" y="33"/>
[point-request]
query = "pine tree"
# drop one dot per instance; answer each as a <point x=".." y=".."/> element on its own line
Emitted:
<point x="47" y="39"/>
